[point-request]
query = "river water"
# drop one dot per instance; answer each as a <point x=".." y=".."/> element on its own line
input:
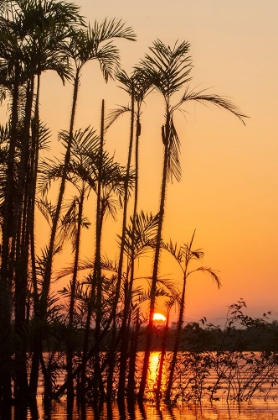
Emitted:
<point x="259" y="408"/>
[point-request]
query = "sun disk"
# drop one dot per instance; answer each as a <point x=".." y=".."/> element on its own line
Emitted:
<point x="158" y="317"/>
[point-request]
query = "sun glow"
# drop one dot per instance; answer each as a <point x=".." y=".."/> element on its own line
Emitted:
<point x="158" y="317"/>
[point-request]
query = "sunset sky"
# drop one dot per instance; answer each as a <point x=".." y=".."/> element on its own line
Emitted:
<point x="229" y="187"/>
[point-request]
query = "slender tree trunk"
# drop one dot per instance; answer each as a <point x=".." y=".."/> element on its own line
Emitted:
<point x="7" y="230"/>
<point x="96" y="287"/>
<point x="51" y="250"/>
<point x="21" y="244"/>
<point x="85" y="355"/>
<point x="97" y="279"/>
<point x="165" y="138"/>
<point x="125" y="328"/>
<point x="132" y="359"/>
<point x="34" y="174"/>
<point x="121" y="260"/>
<point x="51" y="247"/>
<point x="70" y="388"/>
<point x="177" y="342"/>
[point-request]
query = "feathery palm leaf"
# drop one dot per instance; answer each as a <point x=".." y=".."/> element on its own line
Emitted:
<point x="49" y="170"/>
<point x="167" y="67"/>
<point x="209" y="271"/>
<point x="174" y="165"/>
<point x="213" y="99"/>
<point x="46" y="209"/>
<point x="143" y="235"/>
<point x="173" y="249"/>
<point x="114" y="114"/>
<point x="88" y="45"/>
<point x="138" y="85"/>
<point x="113" y="28"/>
<point x="69" y="223"/>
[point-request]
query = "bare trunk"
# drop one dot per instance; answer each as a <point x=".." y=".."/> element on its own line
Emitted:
<point x="177" y="342"/>
<point x="7" y="230"/>
<point x="51" y="248"/>
<point x="70" y="350"/>
<point x="165" y="138"/>
<point x="121" y="260"/>
<point x="97" y="266"/>
<point x="124" y="345"/>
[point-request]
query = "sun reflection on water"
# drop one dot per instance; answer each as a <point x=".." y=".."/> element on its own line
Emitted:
<point x="153" y="374"/>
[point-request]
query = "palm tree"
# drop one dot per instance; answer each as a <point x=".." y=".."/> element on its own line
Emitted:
<point x="184" y="256"/>
<point x="85" y="45"/>
<point x="90" y="168"/>
<point x="169" y="69"/>
<point x="137" y="87"/>
<point x="79" y="171"/>
<point x="29" y="32"/>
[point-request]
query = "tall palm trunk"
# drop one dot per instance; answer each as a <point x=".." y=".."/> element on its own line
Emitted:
<point x="97" y="266"/>
<point x="132" y="359"/>
<point x="96" y="287"/>
<point x="7" y="229"/>
<point x="70" y="389"/>
<point x="177" y="341"/>
<point x="21" y="246"/>
<point x="33" y="183"/>
<point x="51" y="247"/>
<point x="51" y="250"/>
<point x="166" y="142"/>
<point x="125" y="324"/>
<point x="121" y="261"/>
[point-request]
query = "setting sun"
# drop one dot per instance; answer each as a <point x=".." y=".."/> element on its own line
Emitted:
<point x="158" y="317"/>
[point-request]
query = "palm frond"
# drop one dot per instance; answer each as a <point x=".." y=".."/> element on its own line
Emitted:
<point x="216" y="100"/>
<point x="49" y="170"/>
<point x="114" y="114"/>
<point x="46" y="209"/>
<point x="173" y="249"/>
<point x="109" y="265"/>
<point x="141" y="234"/>
<point x="109" y="60"/>
<point x="137" y="85"/>
<point x="83" y="265"/>
<point x="113" y="28"/>
<point x="171" y="287"/>
<point x="168" y="68"/>
<point x="44" y="134"/>
<point x="174" y="165"/>
<point x="208" y="271"/>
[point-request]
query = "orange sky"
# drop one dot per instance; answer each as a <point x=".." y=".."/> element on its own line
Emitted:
<point x="228" y="192"/>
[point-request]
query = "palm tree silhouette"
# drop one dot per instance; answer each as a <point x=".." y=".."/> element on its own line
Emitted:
<point x="184" y="256"/>
<point x="169" y="70"/>
<point x="93" y="43"/>
<point x="137" y="87"/>
<point x="31" y="36"/>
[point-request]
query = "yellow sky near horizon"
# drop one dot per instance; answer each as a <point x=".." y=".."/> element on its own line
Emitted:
<point x="228" y="191"/>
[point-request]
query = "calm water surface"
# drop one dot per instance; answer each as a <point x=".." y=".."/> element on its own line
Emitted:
<point x="258" y="409"/>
